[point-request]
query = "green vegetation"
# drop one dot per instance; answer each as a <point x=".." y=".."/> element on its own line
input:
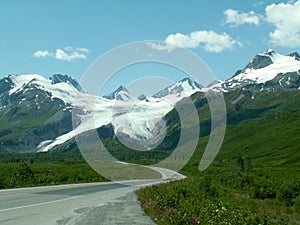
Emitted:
<point x="255" y="178"/>
<point x="29" y="118"/>
<point x="31" y="169"/>
<point x="224" y="196"/>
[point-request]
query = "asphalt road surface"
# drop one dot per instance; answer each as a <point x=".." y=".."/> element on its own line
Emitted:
<point x="92" y="203"/>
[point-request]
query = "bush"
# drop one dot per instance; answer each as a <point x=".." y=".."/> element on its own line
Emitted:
<point x="23" y="173"/>
<point x="262" y="192"/>
<point x="196" y="201"/>
<point x="288" y="192"/>
<point x="208" y="187"/>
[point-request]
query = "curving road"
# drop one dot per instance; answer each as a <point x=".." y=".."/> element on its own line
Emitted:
<point x="88" y="203"/>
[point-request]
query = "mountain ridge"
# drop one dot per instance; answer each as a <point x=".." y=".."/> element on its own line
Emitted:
<point x="37" y="111"/>
<point x="264" y="68"/>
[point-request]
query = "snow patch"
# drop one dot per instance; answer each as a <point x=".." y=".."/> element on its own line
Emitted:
<point x="281" y="64"/>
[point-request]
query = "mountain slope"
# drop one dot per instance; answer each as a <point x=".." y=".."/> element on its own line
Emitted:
<point x="264" y="127"/>
<point x="265" y="67"/>
<point x="32" y="110"/>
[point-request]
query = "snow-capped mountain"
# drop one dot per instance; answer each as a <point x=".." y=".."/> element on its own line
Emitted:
<point x="36" y="113"/>
<point x="58" y="86"/>
<point x="121" y="94"/>
<point x="41" y="110"/>
<point x="34" y="109"/>
<point x="179" y="90"/>
<point x="173" y="93"/>
<point x="266" y="70"/>
<point x="296" y="55"/>
<point x="58" y="78"/>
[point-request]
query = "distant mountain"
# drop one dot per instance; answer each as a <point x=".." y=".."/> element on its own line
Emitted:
<point x="295" y="55"/>
<point x="33" y="109"/>
<point x="36" y="112"/>
<point x="121" y="94"/>
<point x="175" y="92"/>
<point x="59" y="78"/>
<point x="183" y="88"/>
<point x="58" y="86"/>
<point x="143" y="97"/>
<point x="266" y="70"/>
<point x="261" y="60"/>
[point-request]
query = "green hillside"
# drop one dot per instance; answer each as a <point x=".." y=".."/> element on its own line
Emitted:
<point x="255" y="178"/>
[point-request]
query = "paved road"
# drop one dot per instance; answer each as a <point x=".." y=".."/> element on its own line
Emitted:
<point x="93" y="203"/>
<point x="90" y="203"/>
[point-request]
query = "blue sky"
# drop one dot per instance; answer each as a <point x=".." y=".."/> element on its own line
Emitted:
<point x="48" y="37"/>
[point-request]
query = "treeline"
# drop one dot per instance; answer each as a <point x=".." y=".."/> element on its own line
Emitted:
<point x="32" y="169"/>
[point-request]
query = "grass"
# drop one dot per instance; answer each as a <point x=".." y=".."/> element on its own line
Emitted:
<point x="24" y="170"/>
<point x="263" y="188"/>
<point x="224" y="196"/>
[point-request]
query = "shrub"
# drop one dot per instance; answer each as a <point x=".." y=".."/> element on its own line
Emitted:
<point x="23" y="173"/>
<point x="262" y="192"/>
<point x="208" y="187"/>
<point x="288" y="192"/>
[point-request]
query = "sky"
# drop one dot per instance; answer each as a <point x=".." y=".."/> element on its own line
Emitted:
<point x="66" y="37"/>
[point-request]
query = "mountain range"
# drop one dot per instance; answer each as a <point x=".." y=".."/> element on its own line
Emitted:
<point x="36" y="113"/>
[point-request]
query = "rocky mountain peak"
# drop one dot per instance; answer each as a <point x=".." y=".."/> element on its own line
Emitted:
<point x="261" y="60"/>
<point x="59" y="78"/>
<point x="121" y="94"/>
<point x="185" y="85"/>
<point x="295" y="55"/>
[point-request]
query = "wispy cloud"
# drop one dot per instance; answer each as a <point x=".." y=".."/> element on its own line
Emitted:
<point x="69" y="55"/>
<point x="258" y="3"/>
<point x="235" y="18"/>
<point x="42" y="54"/>
<point x="82" y="49"/>
<point x="161" y="47"/>
<point x="209" y="40"/>
<point x="66" y="54"/>
<point x="286" y="20"/>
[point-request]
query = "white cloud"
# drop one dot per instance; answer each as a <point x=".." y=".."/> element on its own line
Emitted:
<point x="235" y="18"/>
<point x="41" y="53"/>
<point x="209" y="40"/>
<point x="69" y="54"/>
<point x="161" y="47"/>
<point x="65" y="54"/>
<point x="286" y="19"/>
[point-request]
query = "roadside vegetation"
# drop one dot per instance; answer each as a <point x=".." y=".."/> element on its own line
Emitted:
<point x="255" y="178"/>
<point x="227" y="196"/>
<point x="38" y="169"/>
